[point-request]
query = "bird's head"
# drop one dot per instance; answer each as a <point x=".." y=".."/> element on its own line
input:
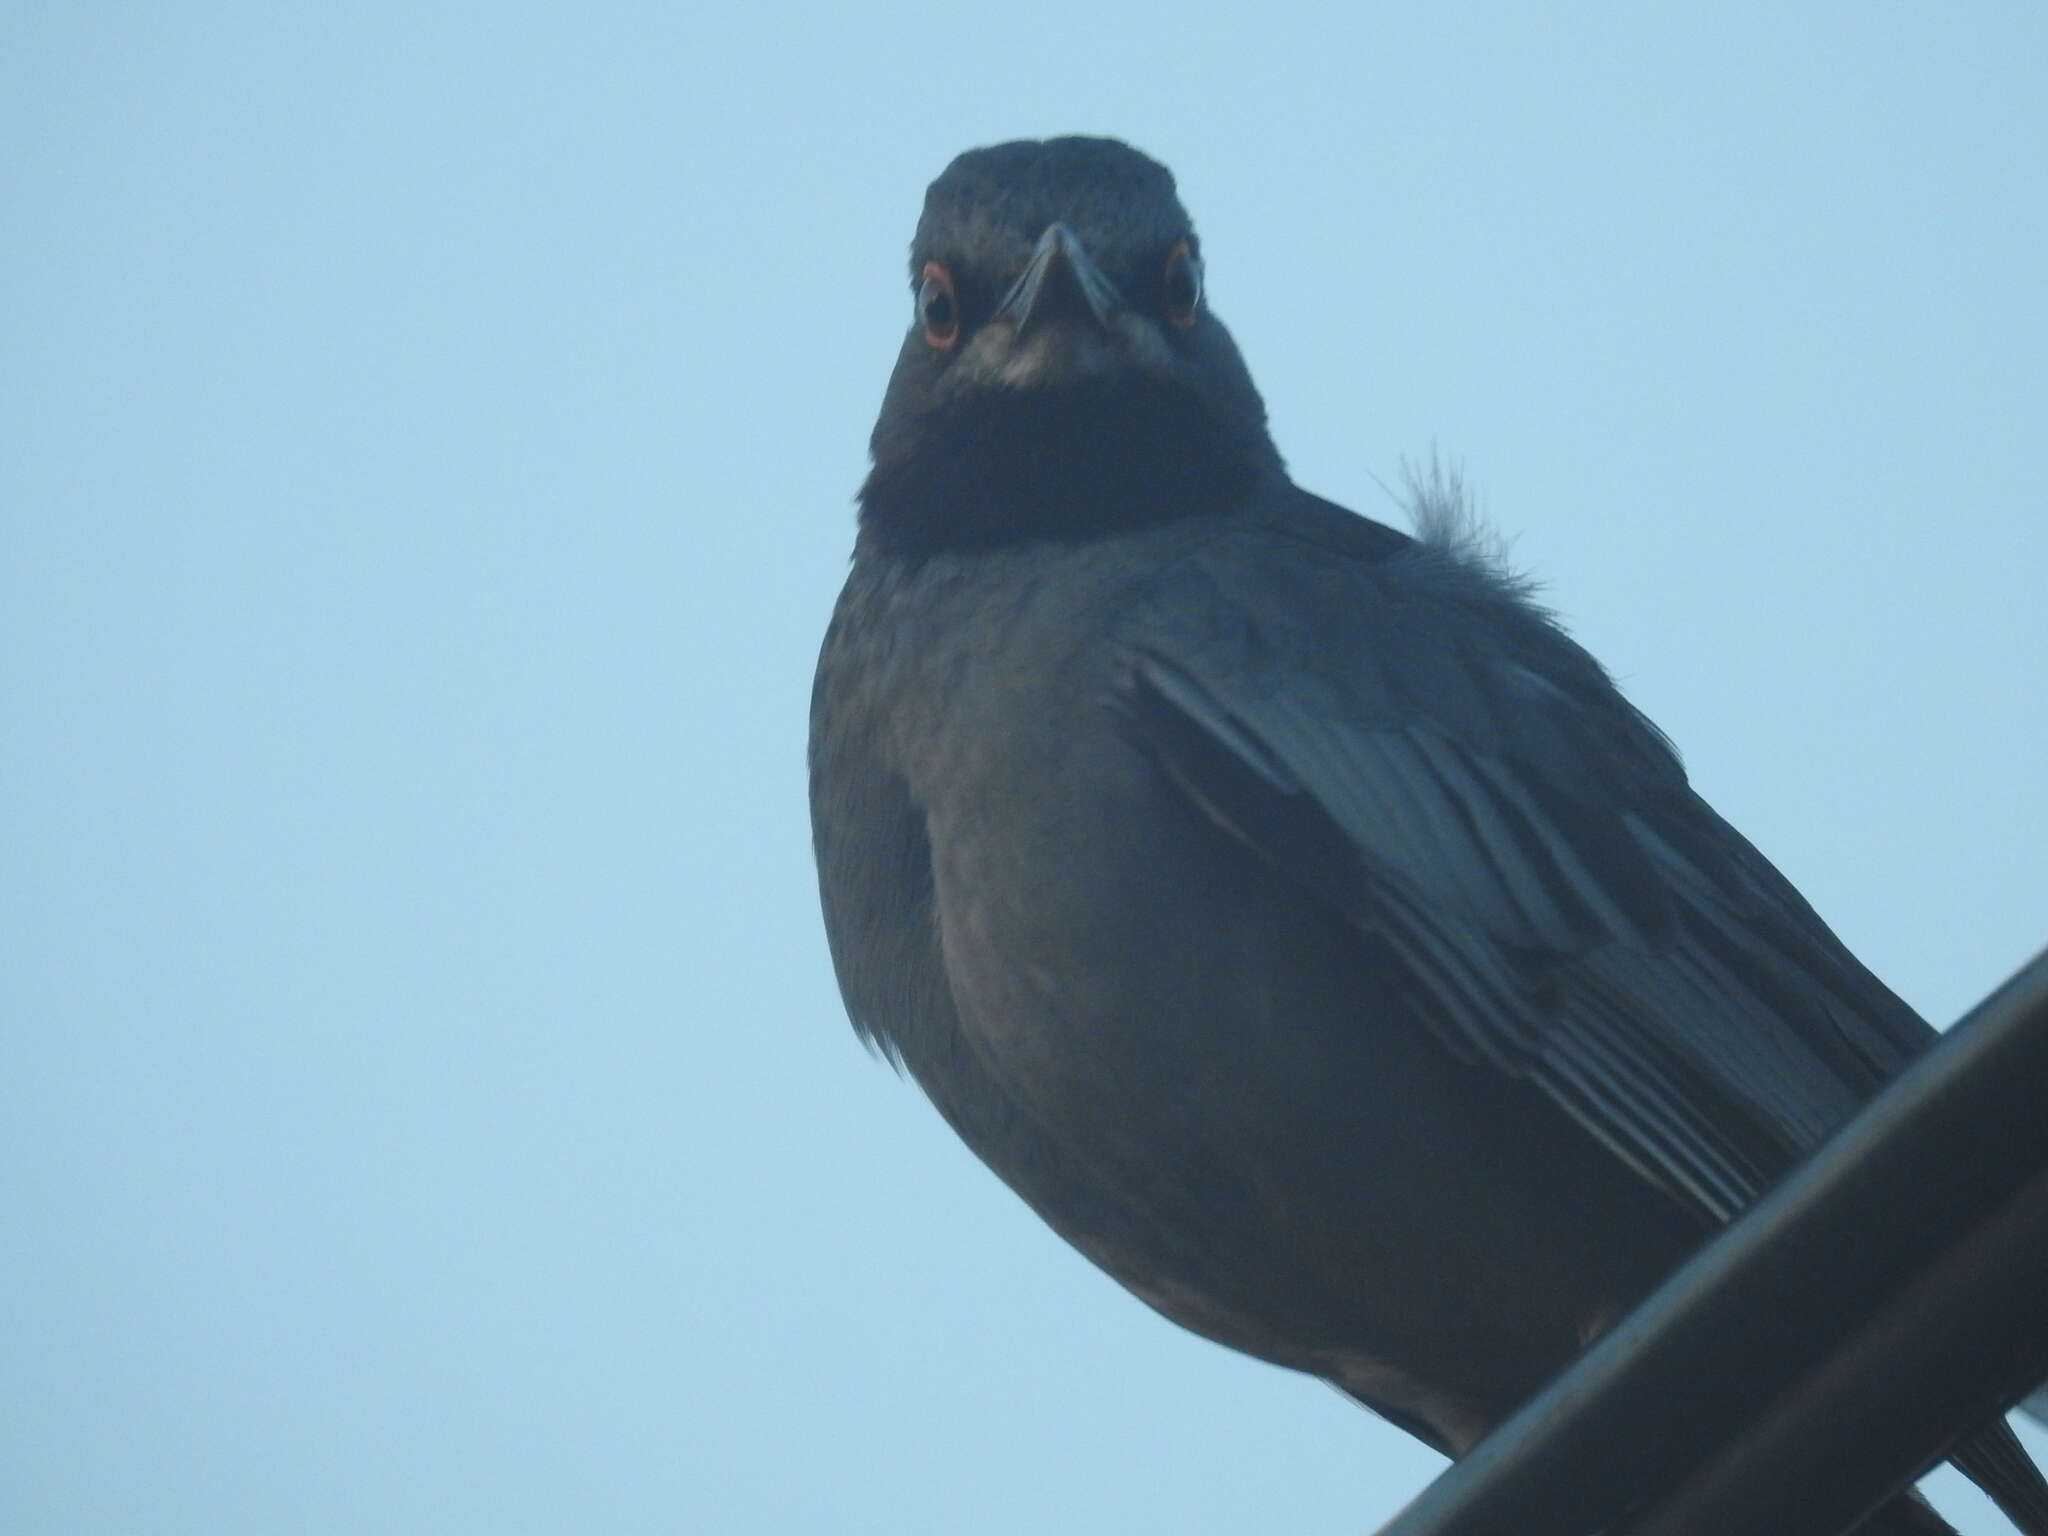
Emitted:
<point x="1062" y="375"/>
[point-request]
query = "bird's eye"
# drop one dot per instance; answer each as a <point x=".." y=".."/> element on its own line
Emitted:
<point x="938" y="309"/>
<point x="1183" y="285"/>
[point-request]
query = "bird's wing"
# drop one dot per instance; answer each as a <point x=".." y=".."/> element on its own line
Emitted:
<point x="1409" y="738"/>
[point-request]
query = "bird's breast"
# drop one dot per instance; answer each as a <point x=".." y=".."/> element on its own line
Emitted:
<point x="1205" y="1077"/>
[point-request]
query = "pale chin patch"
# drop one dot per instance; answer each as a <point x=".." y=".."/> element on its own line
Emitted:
<point x="1064" y="353"/>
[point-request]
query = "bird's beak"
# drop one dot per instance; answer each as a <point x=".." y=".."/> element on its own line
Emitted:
<point x="1062" y="276"/>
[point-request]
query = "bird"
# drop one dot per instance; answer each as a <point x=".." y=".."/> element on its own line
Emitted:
<point x="1281" y="903"/>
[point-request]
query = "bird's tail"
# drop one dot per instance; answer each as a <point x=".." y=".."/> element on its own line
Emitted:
<point x="1993" y="1459"/>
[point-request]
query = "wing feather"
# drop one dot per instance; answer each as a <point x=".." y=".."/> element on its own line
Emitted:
<point x="1429" y="754"/>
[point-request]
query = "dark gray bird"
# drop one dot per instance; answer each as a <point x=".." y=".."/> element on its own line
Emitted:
<point x="1282" y="905"/>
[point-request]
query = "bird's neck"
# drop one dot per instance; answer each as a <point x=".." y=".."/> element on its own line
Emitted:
<point x="1065" y="466"/>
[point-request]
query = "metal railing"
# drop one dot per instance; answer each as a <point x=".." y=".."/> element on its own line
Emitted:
<point x="1829" y="1346"/>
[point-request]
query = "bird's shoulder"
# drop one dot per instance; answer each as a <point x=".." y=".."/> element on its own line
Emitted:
<point x="1304" y="611"/>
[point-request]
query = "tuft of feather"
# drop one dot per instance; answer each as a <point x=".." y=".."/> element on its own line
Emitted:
<point x="1445" y="518"/>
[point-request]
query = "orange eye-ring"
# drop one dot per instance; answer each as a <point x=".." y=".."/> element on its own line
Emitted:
<point x="1183" y="285"/>
<point x="938" y="308"/>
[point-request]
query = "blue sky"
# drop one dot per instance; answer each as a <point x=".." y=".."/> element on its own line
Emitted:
<point x="431" y="439"/>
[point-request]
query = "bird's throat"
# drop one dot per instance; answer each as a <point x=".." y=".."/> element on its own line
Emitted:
<point x="1067" y="464"/>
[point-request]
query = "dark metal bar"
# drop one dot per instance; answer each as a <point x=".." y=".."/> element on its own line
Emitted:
<point x="1829" y="1346"/>
<point x="1883" y="1409"/>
